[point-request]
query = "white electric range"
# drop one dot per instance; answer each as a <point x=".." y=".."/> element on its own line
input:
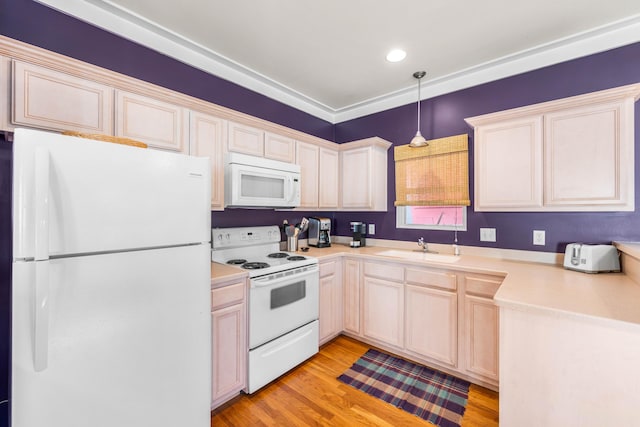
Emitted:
<point x="283" y="299"/>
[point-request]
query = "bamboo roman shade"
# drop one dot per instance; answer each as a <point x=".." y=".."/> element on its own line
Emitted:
<point x="435" y="175"/>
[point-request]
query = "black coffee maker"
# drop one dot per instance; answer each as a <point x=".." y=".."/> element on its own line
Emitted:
<point x="359" y="230"/>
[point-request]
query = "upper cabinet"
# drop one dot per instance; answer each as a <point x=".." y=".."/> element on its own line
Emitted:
<point x="157" y="123"/>
<point x="573" y="154"/>
<point x="278" y="147"/>
<point x="207" y="135"/>
<point x="363" y="174"/>
<point x="250" y="140"/>
<point x="320" y="175"/>
<point x="5" y="90"/>
<point x="48" y="99"/>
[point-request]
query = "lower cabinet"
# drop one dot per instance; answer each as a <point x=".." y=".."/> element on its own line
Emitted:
<point x="331" y="306"/>
<point x="383" y="306"/>
<point x="351" y="281"/>
<point x="481" y="316"/>
<point x="229" y="341"/>
<point x="431" y="324"/>
<point x="383" y="303"/>
<point x="434" y="315"/>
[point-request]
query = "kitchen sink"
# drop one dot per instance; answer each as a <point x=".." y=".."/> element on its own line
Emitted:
<point x="420" y="256"/>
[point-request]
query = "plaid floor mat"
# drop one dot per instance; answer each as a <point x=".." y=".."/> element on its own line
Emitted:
<point x="434" y="396"/>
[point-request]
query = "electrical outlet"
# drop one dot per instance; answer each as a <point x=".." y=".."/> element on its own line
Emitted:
<point x="487" y="234"/>
<point x="372" y="229"/>
<point x="538" y="237"/>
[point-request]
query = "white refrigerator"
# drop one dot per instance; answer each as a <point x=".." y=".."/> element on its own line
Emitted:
<point x="110" y="286"/>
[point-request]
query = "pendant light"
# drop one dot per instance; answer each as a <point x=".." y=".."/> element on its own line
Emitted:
<point x="418" y="140"/>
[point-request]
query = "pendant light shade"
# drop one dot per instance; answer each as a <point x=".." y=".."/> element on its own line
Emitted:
<point x="418" y="140"/>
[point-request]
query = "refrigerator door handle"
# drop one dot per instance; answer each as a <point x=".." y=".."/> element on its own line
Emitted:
<point x="41" y="317"/>
<point x="41" y="208"/>
<point x="41" y="256"/>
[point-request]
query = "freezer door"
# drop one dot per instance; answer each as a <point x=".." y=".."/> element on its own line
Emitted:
<point x="75" y="196"/>
<point x="128" y="341"/>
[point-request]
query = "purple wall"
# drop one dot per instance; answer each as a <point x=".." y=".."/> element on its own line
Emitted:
<point x="36" y="24"/>
<point x="33" y="23"/>
<point x="444" y="116"/>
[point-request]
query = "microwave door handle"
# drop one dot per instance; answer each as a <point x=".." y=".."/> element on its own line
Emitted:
<point x="290" y="191"/>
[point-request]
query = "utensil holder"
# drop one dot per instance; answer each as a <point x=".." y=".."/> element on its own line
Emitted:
<point x="292" y="244"/>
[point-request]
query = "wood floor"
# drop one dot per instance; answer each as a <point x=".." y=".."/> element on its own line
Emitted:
<point x="310" y="395"/>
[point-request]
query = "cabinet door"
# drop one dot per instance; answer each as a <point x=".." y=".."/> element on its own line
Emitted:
<point x="307" y="157"/>
<point x="588" y="162"/>
<point x="330" y="305"/>
<point x="207" y="135"/>
<point x="482" y="337"/>
<point x="329" y="179"/>
<point x="508" y="165"/>
<point x="383" y="303"/>
<point x="278" y="147"/>
<point x="352" y="296"/>
<point x="5" y="91"/>
<point x="229" y="352"/>
<point x="47" y="99"/>
<point x="245" y="139"/>
<point x="431" y="324"/>
<point x="157" y="123"/>
<point x="355" y="177"/>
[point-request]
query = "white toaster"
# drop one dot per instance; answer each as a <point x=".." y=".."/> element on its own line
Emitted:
<point x="591" y="258"/>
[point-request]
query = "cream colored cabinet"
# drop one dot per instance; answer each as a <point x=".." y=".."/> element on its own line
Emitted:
<point x="481" y="327"/>
<point x="47" y="99"/>
<point x="508" y="164"/>
<point x="319" y="168"/>
<point x="157" y="123"/>
<point x="331" y="306"/>
<point x="431" y="315"/>
<point x="5" y="94"/>
<point x="351" y="283"/>
<point x="207" y="135"/>
<point x="329" y="179"/>
<point x="229" y="341"/>
<point x="383" y="303"/>
<point x="363" y="175"/>
<point x="278" y="147"/>
<point x="597" y="141"/>
<point x="573" y="154"/>
<point x="308" y="158"/>
<point x="245" y="139"/>
<point x="256" y="142"/>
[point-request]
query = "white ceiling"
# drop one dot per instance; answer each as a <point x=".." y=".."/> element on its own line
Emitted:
<point x="328" y="57"/>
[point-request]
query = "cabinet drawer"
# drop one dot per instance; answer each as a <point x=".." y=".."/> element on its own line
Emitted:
<point x="431" y="278"/>
<point x="384" y="271"/>
<point x="227" y="295"/>
<point x="484" y="286"/>
<point x="327" y="268"/>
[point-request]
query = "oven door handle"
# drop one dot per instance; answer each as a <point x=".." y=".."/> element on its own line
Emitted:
<point x="266" y="282"/>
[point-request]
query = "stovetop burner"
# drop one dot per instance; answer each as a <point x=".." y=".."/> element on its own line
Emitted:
<point x="296" y="258"/>
<point x="278" y="255"/>
<point x="237" y="261"/>
<point x="255" y="265"/>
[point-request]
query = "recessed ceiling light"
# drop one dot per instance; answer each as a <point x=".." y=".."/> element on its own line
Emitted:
<point x="396" y="55"/>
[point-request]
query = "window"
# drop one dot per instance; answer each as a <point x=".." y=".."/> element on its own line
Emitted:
<point x="432" y="217"/>
<point x="432" y="185"/>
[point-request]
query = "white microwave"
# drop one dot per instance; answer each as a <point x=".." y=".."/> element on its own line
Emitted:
<point x="256" y="182"/>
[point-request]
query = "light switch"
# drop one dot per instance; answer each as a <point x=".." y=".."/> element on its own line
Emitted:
<point x="487" y="234"/>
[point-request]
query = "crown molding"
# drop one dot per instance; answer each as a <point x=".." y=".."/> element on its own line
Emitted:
<point x="106" y="15"/>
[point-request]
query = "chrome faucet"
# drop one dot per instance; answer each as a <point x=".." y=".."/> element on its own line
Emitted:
<point x="424" y="245"/>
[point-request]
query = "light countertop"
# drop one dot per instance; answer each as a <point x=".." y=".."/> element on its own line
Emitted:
<point x="607" y="297"/>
